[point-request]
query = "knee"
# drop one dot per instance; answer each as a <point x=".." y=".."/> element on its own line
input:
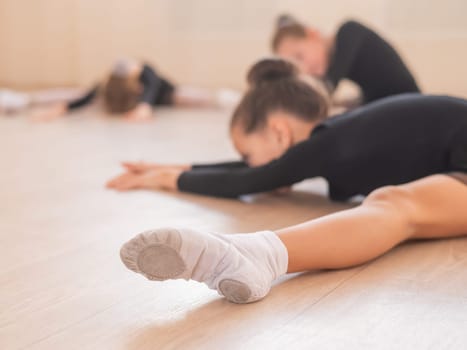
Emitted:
<point x="388" y="194"/>
<point x="399" y="200"/>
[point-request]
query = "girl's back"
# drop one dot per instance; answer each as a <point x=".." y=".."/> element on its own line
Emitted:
<point x="392" y="141"/>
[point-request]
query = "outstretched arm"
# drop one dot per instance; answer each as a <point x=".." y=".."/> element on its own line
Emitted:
<point x="59" y="109"/>
<point x="348" y="43"/>
<point x="302" y="161"/>
<point x="85" y="100"/>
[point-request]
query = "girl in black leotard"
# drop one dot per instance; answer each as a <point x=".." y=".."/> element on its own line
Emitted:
<point x="134" y="88"/>
<point x="281" y="131"/>
<point x="407" y="153"/>
<point x="355" y="53"/>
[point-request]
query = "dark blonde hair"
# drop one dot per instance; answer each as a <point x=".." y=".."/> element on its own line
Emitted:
<point x="121" y="93"/>
<point x="276" y="85"/>
<point x="287" y="26"/>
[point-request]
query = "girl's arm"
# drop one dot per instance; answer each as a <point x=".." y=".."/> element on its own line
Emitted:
<point x="304" y="160"/>
<point x="348" y="43"/>
<point x="141" y="167"/>
<point x="84" y="100"/>
<point x="159" y="176"/>
<point x="151" y="85"/>
<point x="58" y="110"/>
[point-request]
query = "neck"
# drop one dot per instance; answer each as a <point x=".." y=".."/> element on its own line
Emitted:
<point x="301" y="129"/>
<point x="329" y="42"/>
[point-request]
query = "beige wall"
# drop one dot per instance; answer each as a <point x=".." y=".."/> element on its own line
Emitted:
<point x="211" y="42"/>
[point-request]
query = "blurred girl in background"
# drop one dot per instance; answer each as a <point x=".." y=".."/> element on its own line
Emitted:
<point x="355" y="52"/>
<point x="132" y="90"/>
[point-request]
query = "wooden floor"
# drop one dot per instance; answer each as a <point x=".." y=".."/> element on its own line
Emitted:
<point x="62" y="285"/>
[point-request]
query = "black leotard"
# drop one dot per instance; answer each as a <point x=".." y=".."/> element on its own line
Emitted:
<point x="364" y="57"/>
<point x="388" y="142"/>
<point x="156" y="90"/>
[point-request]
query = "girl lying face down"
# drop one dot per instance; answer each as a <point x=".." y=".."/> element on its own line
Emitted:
<point x="408" y="154"/>
<point x="133" y="89"/>
<point x="281" y="131"/>
<point x="279" y="110"/>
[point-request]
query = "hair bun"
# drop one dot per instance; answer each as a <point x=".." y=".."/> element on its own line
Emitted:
<point x="285" y="20"/>
<point x="271" y="69"/>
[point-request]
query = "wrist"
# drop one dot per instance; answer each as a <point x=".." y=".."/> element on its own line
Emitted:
<point x="170" y="181"/>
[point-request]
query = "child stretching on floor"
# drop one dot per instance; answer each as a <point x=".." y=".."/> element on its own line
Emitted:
<point x="132" y="89"/>
<point x="355" y="52"/>
<point x="408" y="154"/>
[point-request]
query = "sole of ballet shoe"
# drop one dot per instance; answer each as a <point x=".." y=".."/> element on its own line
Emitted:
<point x="155" y="254"/>
<point x="235" y="291"/>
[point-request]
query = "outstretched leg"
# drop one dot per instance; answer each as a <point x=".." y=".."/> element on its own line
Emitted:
<point x="242" y="267"/>
<point x="433" y="207"/>
<point x="185" y="96"/>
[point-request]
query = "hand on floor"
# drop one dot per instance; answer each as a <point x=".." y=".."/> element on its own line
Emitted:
<point x="165" y="179"/>
<point x="142" y="112"/>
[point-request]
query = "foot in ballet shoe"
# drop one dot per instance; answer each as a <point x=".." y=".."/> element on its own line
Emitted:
<point x="240" y="267"/>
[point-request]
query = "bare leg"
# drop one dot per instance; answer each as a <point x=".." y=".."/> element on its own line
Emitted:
<point x="242" y="267"/>
<point x="433" y="207"/>
<point x="197" y="97"/>
<point x="57" y="95"/>
<point x="193" y="97"/>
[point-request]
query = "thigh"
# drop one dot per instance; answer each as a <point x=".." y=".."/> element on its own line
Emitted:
<point x="438" y="206"/>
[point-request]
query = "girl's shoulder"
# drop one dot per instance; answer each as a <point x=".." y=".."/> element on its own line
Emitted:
<point x="351" y="28"/>
<point x="399" y="111"/>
